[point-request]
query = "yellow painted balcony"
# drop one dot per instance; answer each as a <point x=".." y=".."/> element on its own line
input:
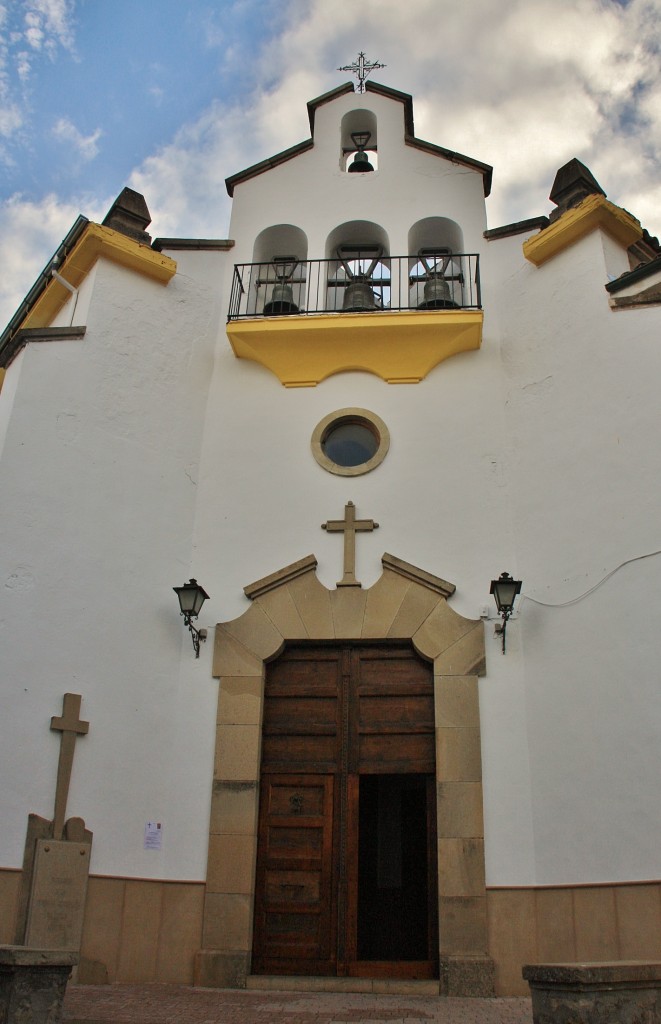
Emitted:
<point x="396" y="317"/>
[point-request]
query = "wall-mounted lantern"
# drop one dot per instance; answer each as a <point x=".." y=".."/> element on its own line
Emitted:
<point x="504" y="590"/>
<point x="191" y="598"/>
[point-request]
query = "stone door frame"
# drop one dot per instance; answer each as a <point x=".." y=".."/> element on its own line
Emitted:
<point x="405" y="603"/>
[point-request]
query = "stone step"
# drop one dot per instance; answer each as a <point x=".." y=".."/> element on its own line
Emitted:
<point x="382" y="986"/>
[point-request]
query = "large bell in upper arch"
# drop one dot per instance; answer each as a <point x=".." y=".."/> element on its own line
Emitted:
<point x="360" y="163"/>
<point x="282" y="302"/>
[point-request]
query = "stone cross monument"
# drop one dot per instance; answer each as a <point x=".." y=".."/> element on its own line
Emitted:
<point x="57" y="856"/>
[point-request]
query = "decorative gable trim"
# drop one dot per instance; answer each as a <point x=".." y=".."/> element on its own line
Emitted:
<point x="97" y="241"/>
<point x="594" y="212"/>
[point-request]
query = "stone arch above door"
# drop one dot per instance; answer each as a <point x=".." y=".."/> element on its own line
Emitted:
<point x="406" y="603"/>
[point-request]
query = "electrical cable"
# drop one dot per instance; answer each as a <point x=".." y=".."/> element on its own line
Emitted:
<point x="575" y="600"/>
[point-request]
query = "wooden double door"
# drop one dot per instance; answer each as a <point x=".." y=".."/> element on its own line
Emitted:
<point x="346" y="865"/>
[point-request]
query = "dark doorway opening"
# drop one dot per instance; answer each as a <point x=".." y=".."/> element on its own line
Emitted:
<point x="393" y="884"/>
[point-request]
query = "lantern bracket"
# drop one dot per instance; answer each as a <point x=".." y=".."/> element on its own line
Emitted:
<point x="191" y="598"/>
<point x="505" y="590"/>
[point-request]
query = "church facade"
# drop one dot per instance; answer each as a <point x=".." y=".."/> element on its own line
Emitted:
<point x="344" y="421"/>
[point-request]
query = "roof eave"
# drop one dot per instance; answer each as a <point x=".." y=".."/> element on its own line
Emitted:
<point x="266" y="165"/>
<point x="633" y="276"/>
<point x="409" y="138"/>
<point x="402" y="97"/>
<point x="42" y="282"/>
<point x="326" y="97"/>
<point x="457" y="158"/>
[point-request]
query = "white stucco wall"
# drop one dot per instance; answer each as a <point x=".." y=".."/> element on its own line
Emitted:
<point x="582" y="416"/>
<point x="99" y="471"/>
<point x="147" y="453"/>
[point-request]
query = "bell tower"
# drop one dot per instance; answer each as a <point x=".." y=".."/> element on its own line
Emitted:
<point x="345" y="277"/>
<point x="351" y="238"/>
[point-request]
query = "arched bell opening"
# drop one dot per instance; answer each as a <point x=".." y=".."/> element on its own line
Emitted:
<point x="358" y="142"/>
<point x="436" y="271"/>
<point x="358" y="268"/>
<point x="279" y="271"/>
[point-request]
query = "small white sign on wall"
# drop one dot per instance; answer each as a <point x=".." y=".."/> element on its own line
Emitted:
<point x="153" y="835"/>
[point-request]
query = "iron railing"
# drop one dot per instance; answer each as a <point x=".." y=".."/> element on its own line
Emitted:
<point x="287" y="287"/>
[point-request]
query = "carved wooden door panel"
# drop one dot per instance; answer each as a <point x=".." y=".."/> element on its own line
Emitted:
<point x="294" y="914"/>
<point x="296" y="883"/>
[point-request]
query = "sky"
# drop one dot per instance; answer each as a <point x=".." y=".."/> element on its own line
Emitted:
<point x="170" y="97"/>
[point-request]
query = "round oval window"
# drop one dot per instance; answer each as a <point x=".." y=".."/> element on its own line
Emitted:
<point x="350" y="442"/>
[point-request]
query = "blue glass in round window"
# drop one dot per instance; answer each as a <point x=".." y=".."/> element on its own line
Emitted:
<point x="350" y="443"/>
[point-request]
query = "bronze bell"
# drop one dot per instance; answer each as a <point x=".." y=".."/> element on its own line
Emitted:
<point x="360" y="162"/>
<point x="359" y="296"/>
<point x="437" y="293"/>
<point x="282" y="302"/>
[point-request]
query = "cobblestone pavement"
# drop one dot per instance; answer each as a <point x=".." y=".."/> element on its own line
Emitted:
<point x="177" y="1004"/>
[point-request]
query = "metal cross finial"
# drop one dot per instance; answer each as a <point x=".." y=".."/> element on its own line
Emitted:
<point x="361" y="69"/>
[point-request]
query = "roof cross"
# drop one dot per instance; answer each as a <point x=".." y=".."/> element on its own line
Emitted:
<point x="70" y="726"/>
<point x="361" y="69"/>
<point x="349" y="526"/>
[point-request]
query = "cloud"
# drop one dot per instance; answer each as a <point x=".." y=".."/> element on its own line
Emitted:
<point x="86" y="145"/>
<point x="34" y="33"/>
<point x="30" y="232"/>
<point x="29" y="31"/>
<point x="525" y="87"/>
<point x="38" y="27"/>
<point x="183" y="182"/>
<point x="11" y="118"/>
<point x="23" y="66"/>
<point x="48" y="24"/>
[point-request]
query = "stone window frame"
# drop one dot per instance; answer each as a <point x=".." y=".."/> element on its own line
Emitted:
<point x="352" y="414"/>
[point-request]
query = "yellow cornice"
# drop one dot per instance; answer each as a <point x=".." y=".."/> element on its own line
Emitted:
<point x="400" y="347"/>
<point x="594" y="212"/>
<point x="94" y="242"/>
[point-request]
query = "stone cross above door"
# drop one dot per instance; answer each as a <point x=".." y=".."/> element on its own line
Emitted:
<point x="349" y="526"/>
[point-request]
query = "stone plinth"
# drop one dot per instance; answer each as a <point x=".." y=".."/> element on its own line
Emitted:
<point x="467" y="976"/>
<point x="622" y="992"/>
<point x="33" y="983"/>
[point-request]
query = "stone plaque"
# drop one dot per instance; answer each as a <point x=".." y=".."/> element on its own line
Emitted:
<point x="57" y="898"/>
